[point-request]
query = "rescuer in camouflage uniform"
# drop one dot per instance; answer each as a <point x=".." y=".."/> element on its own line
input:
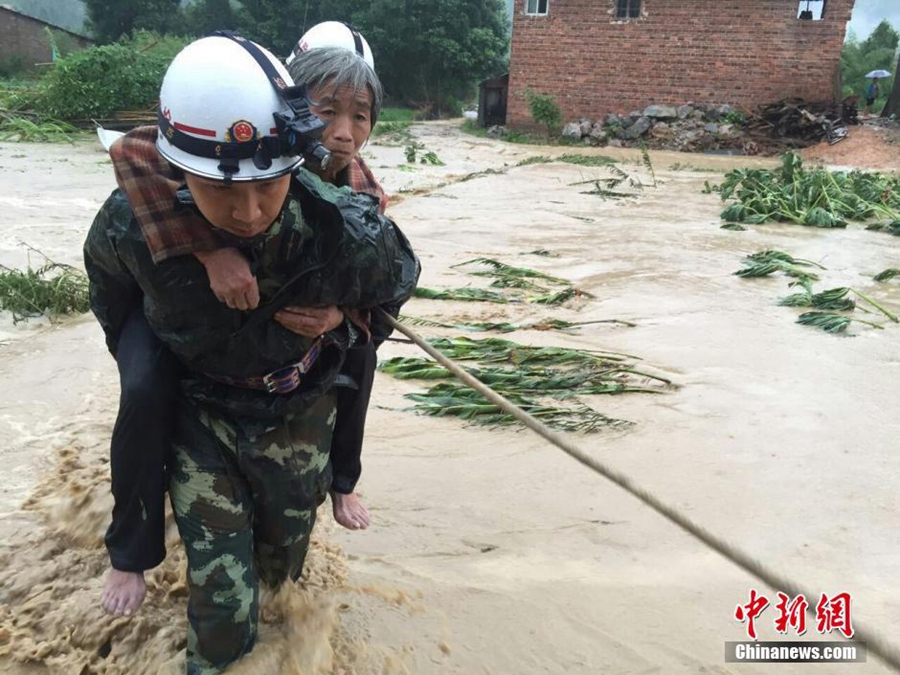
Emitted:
<point x="254" y="426"/>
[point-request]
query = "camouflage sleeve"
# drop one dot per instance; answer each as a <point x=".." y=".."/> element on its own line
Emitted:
<point x="114" y="293"/>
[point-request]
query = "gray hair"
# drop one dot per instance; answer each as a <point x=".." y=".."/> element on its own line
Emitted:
<point x="337" y="67"/>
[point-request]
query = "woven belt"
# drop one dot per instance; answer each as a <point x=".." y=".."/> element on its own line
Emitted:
<point x="281" y="381"/>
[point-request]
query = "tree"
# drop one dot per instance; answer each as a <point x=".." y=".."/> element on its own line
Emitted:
<point x="431" y="54"/>
<point x="205" y="16"/>
<point x="877" y="52"/>
<point x="109" y="20"/>
<point x="278" y="24"/>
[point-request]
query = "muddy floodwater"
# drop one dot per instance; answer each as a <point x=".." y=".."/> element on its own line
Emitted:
<point x="491" y="552"/>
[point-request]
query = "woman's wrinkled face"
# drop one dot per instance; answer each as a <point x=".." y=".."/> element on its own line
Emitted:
<point x="242" y="209"/>
<point x="348" y="112"/>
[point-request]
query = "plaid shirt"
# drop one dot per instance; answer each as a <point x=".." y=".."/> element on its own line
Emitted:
<point x="150" y="186"/>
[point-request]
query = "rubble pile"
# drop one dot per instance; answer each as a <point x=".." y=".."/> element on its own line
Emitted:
<point x="794" y="123"/>
<point x="688" y="128"/>
<point x="691" y="127"/>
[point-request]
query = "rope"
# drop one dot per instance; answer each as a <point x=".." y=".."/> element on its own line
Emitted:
<point x="876" y="644"/>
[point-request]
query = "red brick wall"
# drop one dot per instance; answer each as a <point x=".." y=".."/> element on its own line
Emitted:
<point x="746" y="52"/>
<point x="26" y="38"/>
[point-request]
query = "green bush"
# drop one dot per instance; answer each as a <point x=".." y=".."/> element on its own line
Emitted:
<point x="98" y="81"/>
<point x="544" y="110"/>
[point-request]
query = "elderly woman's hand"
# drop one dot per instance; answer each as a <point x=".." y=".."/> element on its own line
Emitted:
<point x="310" y="322"/>
<point x="230" y="278"/>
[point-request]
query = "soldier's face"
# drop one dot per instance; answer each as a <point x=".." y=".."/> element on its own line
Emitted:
<point x="348" y="112"/>
<point x="243" y="209"/>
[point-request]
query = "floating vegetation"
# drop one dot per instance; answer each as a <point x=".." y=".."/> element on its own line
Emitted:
<point x="825" y="303"/>
<point x="608" y="188"/>
<point x="455" y="400"/>
<point x="830" y="301"/>
<point x="678" y="166"/>
<point x="497" y="350"/>
<point x="414" y="368"/>
<point x="888" y="274"/>
<point x="770" y="255"/>
<point x="543" y="252"/>
<point x="53" y="290"/>
<point x="645" y="160"/>
<point x="502" y="270"/>
<point x="413" y="149"/>
<point x="461" y="294"/>
<point x="586" y="160"/>
<point x="508" y="276"/>
<point x="480" y="174"/>
<point x="831" y="323"/>
<point x="833" y="299"/>
<point x="815" y="198"/>
<point x="734" y="227"/>
<point x="516" y="282"/>
<point x="544" y="381"/>
<point x="577" y="159"/>
<point x="604" y="187"/>
<point x="538" y="381"/>
<point x="560" y="297"/>
<point x="889" y="314"/>
<point x="764" y="263"/>
<point x="534" y="159"/>
<point x="504" y="327"/>
<point x="889" y="227"/>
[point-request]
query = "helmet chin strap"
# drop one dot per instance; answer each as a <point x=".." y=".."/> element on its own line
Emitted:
<point x="357" y="40"/>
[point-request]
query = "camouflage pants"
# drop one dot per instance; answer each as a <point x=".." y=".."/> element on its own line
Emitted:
<point x="245" y="507"/>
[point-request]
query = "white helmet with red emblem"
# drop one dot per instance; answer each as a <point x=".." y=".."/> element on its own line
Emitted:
<point x="334" y="34"/>
<point x="217" y="110"/>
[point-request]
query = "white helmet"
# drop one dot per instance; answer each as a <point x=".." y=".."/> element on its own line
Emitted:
<point x="333" y="34"/>
<point x="216" y="111"/>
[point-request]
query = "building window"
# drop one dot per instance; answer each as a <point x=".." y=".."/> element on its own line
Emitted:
<point x="628" y="9"/>
<point x="536" y="7"/>
<point x="811" y="10"/>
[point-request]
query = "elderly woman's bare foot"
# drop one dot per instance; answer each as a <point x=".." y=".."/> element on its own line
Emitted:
<point x="123" y="592"/>
<point x="349" y="511"/>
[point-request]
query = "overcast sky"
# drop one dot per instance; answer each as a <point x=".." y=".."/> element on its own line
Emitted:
<point x="869" y="13"/>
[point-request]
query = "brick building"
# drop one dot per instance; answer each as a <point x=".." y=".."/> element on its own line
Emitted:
<point x="25" y="41"/>
<point x="601" y="56"/>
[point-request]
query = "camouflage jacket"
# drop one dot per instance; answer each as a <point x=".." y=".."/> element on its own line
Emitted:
<point x="328" y="247"/>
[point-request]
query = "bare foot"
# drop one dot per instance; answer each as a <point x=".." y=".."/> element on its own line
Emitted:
<point x="349" y="511"/>
<point x="123" y="592"/>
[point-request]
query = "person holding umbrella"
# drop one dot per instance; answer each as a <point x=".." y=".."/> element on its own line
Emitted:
<point x="873" y="91"/>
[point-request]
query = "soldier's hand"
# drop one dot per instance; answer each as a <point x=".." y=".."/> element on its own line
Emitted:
<point x="310" y="322"/>
<point x="230" y="278"/>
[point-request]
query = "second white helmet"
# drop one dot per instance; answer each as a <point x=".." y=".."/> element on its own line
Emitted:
<point x="333" y="34"/>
